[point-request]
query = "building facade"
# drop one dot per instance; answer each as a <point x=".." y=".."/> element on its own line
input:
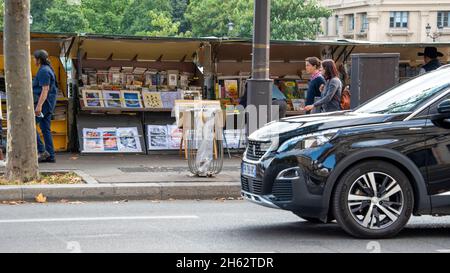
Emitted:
<point x="387" y="20"/>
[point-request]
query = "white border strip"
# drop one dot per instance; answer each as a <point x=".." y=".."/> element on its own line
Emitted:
<point x="80" y="219"/>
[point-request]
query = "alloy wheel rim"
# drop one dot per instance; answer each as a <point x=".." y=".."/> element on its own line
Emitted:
<point x="375" y="200"/>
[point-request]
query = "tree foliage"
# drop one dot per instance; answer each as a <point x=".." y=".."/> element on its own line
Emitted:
<point x="290" y="19"/>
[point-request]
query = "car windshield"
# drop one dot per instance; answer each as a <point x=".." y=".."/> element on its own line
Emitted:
<point x="408" y="96"/>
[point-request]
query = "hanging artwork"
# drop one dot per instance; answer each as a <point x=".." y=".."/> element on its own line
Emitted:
<point x="92" y="98"/>
<point x="172" y="76"/>
<point x="112" y="98"/>
<point x="231" y="89"/>
<point x="131" y="99"/>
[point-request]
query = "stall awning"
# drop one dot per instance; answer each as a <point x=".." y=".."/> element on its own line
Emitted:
<point x="96" y="47"/>
<point x="56" y="44"/>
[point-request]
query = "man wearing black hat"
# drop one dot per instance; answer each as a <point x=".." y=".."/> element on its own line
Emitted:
<point x="430" y="56"/>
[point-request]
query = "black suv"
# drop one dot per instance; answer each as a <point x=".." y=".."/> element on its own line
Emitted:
<point x="369" y="169"/>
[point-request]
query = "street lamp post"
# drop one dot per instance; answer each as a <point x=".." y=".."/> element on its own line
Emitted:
<point x="260" y="85"/>
<point x="433" y="35"/>
<point x="230" y="28"/>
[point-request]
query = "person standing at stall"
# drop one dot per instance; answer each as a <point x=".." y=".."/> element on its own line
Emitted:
<point x="430" y="57"/>
<point x="331" y="96"/>
<point x="312" y="67"/>
<point x="44" y="94"/>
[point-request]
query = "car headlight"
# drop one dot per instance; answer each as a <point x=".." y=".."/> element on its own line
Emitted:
<point x="265" y="146"/>
<point x="308" y="141"/>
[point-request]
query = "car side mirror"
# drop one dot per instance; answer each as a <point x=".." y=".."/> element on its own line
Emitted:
<point x="441" y="118"/>
<point x="444" y="108"/>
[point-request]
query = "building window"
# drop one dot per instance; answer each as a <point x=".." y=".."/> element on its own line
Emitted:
<point x="350" y="22"/>
<point x="442" y="18"/>
<point x="398" y="19"/>
<point x="337" y="25"/>
<point x="326" y="27"/>
<point x="364" y="22"/>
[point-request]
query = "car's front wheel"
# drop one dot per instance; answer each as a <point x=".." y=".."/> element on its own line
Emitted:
<point x="373" y="199"/>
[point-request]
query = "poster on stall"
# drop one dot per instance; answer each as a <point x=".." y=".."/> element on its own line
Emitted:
<point x="112" y="98"/>
<point x="175" y="135"/>
<point x="231" y="89"/>
<point x="109" y="139"/>
<point x="92" y="140"/>
<point x="128" y="140"/>
<point x="157" y="137"/>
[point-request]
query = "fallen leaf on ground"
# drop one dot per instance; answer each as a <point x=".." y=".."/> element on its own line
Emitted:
<point x="40" y="198"/>
<point x="74" y="158"/>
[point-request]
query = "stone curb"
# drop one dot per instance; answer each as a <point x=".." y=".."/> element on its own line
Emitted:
<point x="114" y="192"/>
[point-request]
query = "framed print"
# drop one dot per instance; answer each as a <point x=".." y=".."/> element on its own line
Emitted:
<point x="191" y="95"/>
<point x="112" y="98"/>
<point x="128" y="140"/>
<point x="109" y="136"/>
<point x="172" y="78"/>
<point x="152" y="99"/>
<point x="92" y="98"/>
<point x="169" y="98"/>
<point x="174" y="137"/>
<point x="92" y="140"/>
<point x="131" y="99"/>
<point x="157" y="137"/>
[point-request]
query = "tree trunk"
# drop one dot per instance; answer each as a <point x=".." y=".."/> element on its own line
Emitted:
<point x="22" y="162"/>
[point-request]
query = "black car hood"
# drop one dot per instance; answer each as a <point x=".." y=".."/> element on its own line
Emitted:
<point x="294" y="126"/>
<point x="333" y="120"/>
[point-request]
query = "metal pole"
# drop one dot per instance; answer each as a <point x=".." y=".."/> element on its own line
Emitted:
<point x="259" y="91"/>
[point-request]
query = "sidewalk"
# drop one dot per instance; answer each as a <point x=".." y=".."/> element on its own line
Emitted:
<point x="118" y="177"/>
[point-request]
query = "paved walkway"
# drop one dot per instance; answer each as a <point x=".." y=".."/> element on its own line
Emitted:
<point x="140" y="168"/>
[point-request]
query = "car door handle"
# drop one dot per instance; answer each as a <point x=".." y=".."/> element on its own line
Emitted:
<point x="415" y="128"/>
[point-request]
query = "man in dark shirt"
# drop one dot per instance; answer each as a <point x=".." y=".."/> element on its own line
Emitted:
<point x="430" y="56"/>
<point x="312" y="67"/>
<point x="44" y="93"/>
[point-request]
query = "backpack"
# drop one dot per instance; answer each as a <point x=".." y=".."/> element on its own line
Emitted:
<point x="345" y="98"/>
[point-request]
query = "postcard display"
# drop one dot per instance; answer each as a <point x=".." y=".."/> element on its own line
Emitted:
<point x="135" y="94"/>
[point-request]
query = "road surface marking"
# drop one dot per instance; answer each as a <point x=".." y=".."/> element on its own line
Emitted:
<point x="443" y="250"/>
<point x="80" y="219"/>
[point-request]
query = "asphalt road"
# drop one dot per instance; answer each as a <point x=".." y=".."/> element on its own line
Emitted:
<point x="193" y="226"/>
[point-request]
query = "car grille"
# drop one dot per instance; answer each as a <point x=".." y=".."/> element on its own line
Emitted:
<point x="282" y="190"/>
<point x="254" y="187"/>
<point x="254" y="151"/>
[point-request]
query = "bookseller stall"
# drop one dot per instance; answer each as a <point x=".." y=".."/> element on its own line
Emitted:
<point x="127" y="90"/>
<point x="56" y="45"/>
<point x="232" y="65"/>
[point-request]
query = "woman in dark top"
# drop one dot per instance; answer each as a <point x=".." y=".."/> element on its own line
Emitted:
<point x="313" y="68"/>
<point x="331" y="96"/>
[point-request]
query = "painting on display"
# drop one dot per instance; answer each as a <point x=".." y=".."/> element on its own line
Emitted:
<point x="112" y="98"/>
<point x="152" y="100"/>
<point x="157" y="137"/>
<point x="109" y="136"/>
<point x="92" y="140"/>
<point x="131" y="99"/>
<point x="92" y="98"/>
<point x="128" y="140"/>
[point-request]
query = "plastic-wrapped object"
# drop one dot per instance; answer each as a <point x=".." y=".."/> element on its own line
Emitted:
<point x="205" y="148"/>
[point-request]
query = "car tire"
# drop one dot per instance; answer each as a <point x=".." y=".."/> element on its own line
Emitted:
<point x="364" y="213"/>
